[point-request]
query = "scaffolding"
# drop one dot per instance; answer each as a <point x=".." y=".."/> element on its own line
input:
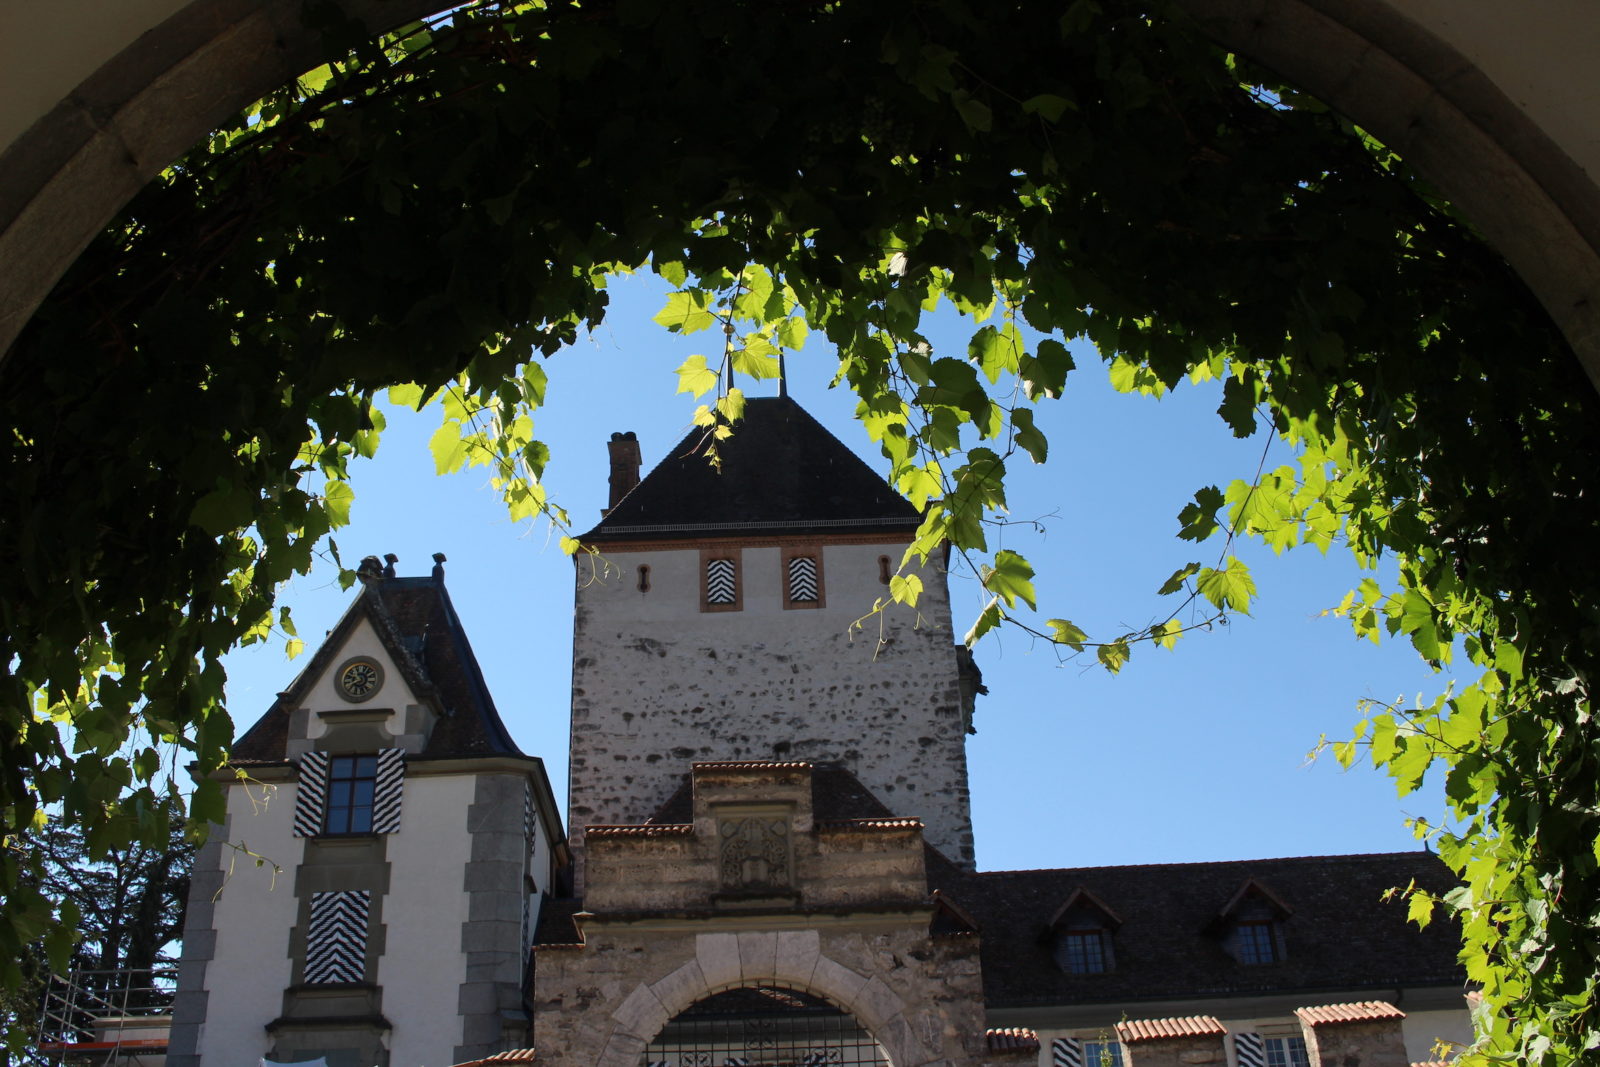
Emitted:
<point x="107" y="1018"/>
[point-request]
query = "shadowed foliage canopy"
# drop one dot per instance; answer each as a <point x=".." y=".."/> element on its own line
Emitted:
<point x="437" y="211"/>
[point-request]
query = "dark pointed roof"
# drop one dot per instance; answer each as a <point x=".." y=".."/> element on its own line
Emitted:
<point x="420" y="630"/>
<point x="780" y="472"/>
<point x="1341" y="933"/>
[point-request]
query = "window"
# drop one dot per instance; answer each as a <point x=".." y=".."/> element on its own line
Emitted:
<point x="1254" y="942"/>
<point x="352" y="787"/>
<point x="720" y="580"/>
<point x="1102" y="1054"/>
<point x="336" y="937"/>
<point x="1287" y="1052"/>
<point x="644" y="578"/>
<point x="802" y="577"/>
<point x="1082" y="951"/>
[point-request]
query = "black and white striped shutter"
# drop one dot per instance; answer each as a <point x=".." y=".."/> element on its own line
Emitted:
<point x="1250" y="1050"/>
<point x="1066" y="1052"/>
<point x="336" y="939"/>
<point x="803" y="580"/>
<point x="387" y="790"/>
<point x="721" y="587"/>
<point x="311" y="796"/>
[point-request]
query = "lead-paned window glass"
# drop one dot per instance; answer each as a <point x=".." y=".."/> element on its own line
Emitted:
<point x="1255" y="942"/>
<point x="352" y="786"/>
<point x="1287" y="1052"/>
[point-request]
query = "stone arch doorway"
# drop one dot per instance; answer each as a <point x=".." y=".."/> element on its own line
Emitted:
<point x="764" y="1025"/>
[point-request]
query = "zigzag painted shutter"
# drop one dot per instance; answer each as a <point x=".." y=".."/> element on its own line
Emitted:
<point x="1066" y="1052"/>
<point x="311" y="797"/>
<point x="803" y="580"/>
<point x="387" y="790"/>
<point x="720" y="583"/>
<point x="1250" y="1050"/>
<point x="336" y="939"/>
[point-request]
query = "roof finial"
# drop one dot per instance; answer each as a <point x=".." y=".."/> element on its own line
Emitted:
<point x="438" y="566"/>
<point x="783" y="376"/>
<point x="389" y="559"/>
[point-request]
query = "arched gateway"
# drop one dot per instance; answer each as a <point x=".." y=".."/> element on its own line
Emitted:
<point x="764" y="1025"/>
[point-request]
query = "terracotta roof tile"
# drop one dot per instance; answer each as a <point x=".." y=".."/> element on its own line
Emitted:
<point x="1360" y="1012"/>
<point x="641" y="830"/>
<point x="870" y="824"/>
<point x="1131" y="1030"/>
<point x="1012" y="1039"/>
<point x="516" y="1055"/>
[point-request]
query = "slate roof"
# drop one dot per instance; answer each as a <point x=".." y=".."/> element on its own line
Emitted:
<point x="781" y="472"/>
<point x="419" y="628"/>
<point x="1341" y="935"/>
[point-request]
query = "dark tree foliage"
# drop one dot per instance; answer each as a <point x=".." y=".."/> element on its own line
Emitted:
<point x="439" y="209"/>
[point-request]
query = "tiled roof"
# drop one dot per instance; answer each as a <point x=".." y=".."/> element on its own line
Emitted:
<point x="870" y="824"/>
<point x="751" y="765"/>
<point x="1132" y="1030"/>
<point x="836" y="796"/>
<point x="781" y="471"/>
<point x="641" y="830"/>
<point x="1012" y="1039"/>
<point x="420" y="630"/>
<point x="1341" y="935"/>
<point x="516" y="1055"/>
<point x="1362" y="1012"/>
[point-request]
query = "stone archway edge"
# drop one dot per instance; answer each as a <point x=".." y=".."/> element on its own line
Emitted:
<point x="75" y="168"/>
<point x="790" y="959"/>
<point x="70" y="173"/>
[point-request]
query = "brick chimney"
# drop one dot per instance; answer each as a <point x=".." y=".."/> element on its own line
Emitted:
<point x="624" y="449"/>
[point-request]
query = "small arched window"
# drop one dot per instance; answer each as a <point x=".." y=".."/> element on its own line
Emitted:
<point x="644" y="577"/>
<point x="883" y="570"/>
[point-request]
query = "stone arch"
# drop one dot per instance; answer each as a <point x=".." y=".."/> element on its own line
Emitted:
<point x="82" y="161"/>
<point x="789" y="958"/>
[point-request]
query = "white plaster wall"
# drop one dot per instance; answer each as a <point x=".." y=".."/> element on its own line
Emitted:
<point x="255" y="913"/>
<point x="423" y="966"/>
<point x="658" y="683"/>
<point x="395" y="693"/>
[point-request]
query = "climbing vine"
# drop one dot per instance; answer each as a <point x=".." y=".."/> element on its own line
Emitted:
<point x="437" y="211"/>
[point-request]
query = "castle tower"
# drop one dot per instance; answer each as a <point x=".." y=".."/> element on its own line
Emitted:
<point x="716" y="619"/>
<point x="408" y="845"/>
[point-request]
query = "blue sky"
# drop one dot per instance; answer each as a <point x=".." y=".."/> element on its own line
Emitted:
<point x="1189" y="755"/>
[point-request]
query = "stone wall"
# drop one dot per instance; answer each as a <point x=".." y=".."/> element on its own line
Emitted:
<point x="755" y="891"/>
<point x="1374" y="1043"/>
<point x="599" y="1005"/>
<point x="658" y="683"/>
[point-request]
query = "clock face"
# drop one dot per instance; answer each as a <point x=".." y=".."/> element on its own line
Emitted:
<point x="360" y="679"/>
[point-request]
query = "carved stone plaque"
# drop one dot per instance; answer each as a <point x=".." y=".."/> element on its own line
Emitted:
<point x="755" y="852"/>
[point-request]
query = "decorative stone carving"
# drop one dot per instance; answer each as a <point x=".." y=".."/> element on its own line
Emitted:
<point x="755" y="851"/>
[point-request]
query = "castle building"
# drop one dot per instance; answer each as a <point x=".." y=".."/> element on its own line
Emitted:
<point x="770" y="858"/>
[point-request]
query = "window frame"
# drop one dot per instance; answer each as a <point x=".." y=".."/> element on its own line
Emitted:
<point x="733" y="553"/>
<point x="1250" y="936"/>
<point x="348" y="807"/>
<point x="1285" y="1051"/>
<point x="1087" y="937"/>
<point x="812" y="552"/>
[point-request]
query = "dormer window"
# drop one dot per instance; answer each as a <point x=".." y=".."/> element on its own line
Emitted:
<point x="1251" y="925"/>
<point x="1254" y="941"/>
<point x="1081" y="935"/>
<point x="1082" y="951"/>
